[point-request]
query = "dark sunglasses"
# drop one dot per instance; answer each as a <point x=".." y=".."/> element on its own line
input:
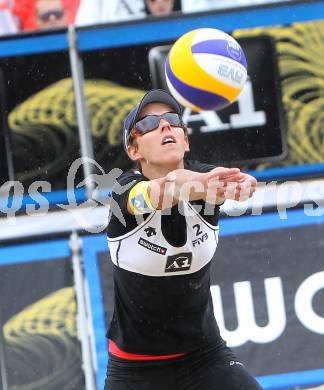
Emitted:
<point x="151" y="122"/>
<point x="45" y="16"/>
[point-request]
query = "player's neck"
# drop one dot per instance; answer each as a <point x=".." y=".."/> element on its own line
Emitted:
<point x="152" y="171"/>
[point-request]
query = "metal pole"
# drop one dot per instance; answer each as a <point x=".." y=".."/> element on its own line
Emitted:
<point x="3" y="368"/>
<point x="81" y="108"/>
<point x="83" y="316"/>
<point x="6" y="132"/>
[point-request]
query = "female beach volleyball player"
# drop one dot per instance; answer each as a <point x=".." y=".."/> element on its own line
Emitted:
<point x="163" y="334"/>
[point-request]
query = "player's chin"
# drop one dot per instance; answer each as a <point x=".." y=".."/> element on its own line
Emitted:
<point x="172" y="155"/>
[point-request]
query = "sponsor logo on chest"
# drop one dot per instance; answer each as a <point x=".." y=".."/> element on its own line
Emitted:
<point x="179" y="262"/>
<point x="152" y="247"/>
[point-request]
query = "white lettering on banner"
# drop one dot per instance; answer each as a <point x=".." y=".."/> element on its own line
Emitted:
<point x="303" y="302"/>
<point x="247" y="329"/>
<point x="247" y="116"/>
<point x="210" y="118"/>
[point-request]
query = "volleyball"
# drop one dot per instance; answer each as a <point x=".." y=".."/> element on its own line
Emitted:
<point x="206" y="69"/>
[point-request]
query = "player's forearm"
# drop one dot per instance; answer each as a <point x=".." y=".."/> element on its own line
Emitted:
<point x="186" y="184"/>
<point x="181" y="184"/>
<point x="165" y="192"/>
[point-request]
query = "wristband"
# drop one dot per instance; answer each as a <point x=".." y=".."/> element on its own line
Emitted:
<point x="139" y="200"/>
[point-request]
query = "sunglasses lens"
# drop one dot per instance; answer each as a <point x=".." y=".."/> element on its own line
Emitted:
<point x="172" y="118"/>
<point x="151" y="122"/>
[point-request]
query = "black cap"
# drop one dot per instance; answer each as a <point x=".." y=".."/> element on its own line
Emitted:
<point x="152" y="96"/>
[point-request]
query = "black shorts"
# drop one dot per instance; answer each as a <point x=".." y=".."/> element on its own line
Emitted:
<point x="207" y="369"/>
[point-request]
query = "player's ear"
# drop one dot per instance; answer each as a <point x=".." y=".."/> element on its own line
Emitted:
<point x="187" y="146"/>
<point x="186" y="139"/>
<point x="133" y="152"/>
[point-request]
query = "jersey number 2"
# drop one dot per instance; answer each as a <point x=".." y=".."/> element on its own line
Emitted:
<point x="198" y="230"/>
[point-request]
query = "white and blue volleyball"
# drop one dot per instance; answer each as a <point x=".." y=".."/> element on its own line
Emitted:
<point x="206" y="69"/>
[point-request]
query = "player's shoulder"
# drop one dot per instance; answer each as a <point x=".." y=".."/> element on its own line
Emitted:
<point x="198" y="166"/>
<point x="130" y="176"/>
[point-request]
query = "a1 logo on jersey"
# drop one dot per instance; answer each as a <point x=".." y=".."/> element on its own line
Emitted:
<point x="179" y="262"/>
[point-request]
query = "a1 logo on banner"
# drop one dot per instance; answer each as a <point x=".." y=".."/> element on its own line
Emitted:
<point x="247" y="115"/>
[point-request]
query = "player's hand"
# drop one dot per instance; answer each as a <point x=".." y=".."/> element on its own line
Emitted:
<point x="241" y="189"/>
<point x="229" y="183"/>
<point x="186" y="184"/>
<point x="217" y="182"/>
